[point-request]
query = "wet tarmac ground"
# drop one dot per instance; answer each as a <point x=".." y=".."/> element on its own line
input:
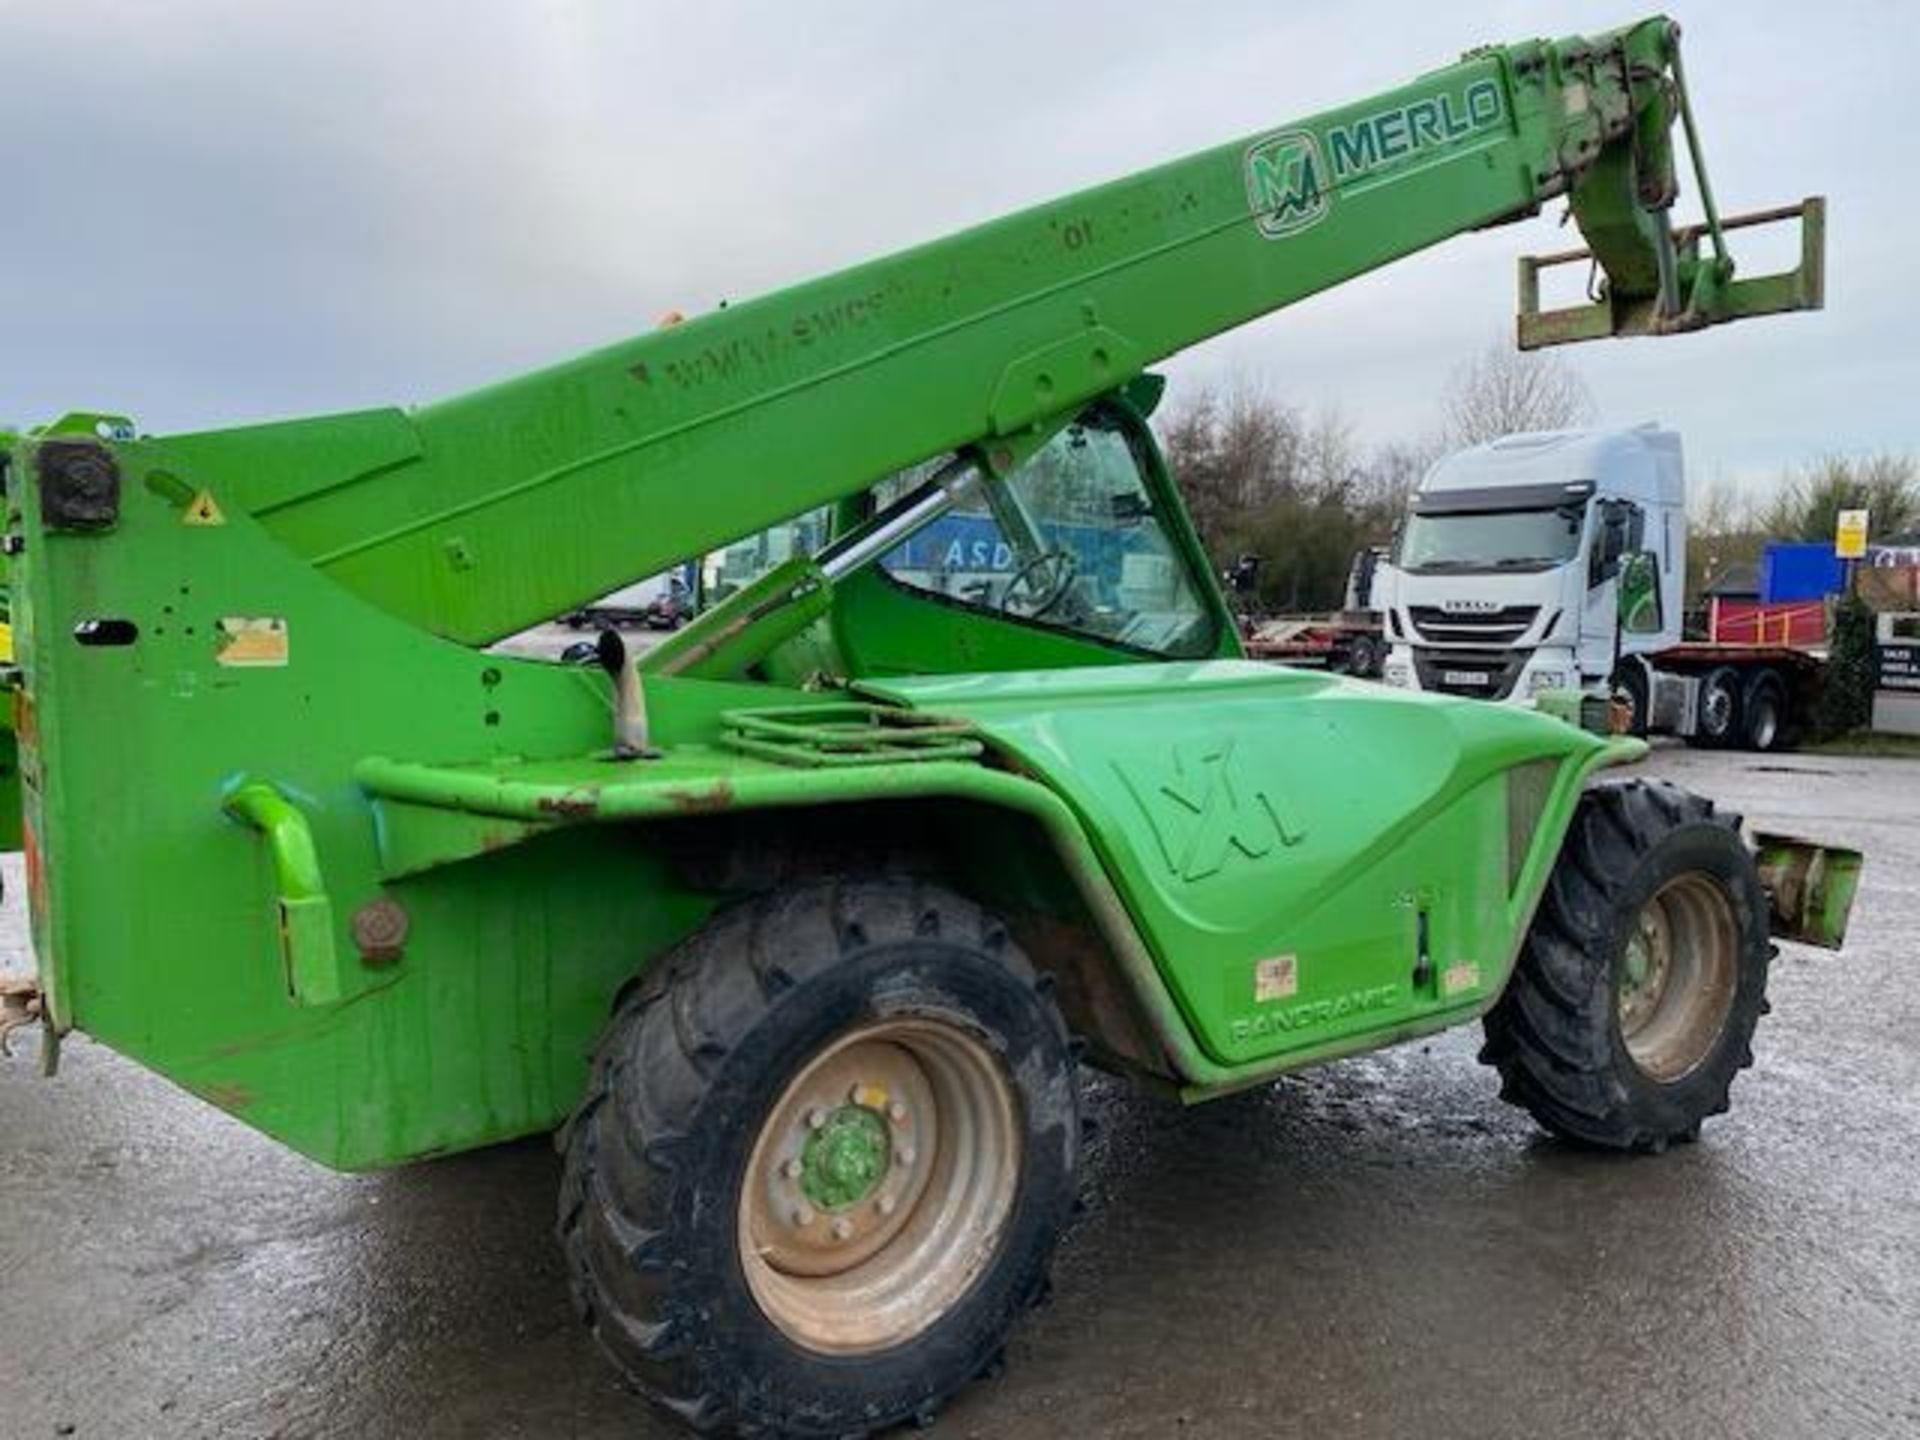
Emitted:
<point x="1376" y="1248"/>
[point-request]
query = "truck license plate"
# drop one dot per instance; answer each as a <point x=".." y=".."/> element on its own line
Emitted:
<point x="1463" y="677"/>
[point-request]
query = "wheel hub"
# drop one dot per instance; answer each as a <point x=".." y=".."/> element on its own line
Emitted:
<point x="1647" y="966"/>
<point x="879" y="1185"/>
<point x="1677" y="977"/>
<point x="1719" y="710"/>
<point x="846" y="1158"/>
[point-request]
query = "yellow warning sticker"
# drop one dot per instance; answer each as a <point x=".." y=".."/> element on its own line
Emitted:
<point x="1456" y="978"/>
<point x="203" y="509"/>
<point x="246" y="641"/>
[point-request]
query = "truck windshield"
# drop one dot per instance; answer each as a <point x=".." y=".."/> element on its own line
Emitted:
<point x="1490" y="540"/>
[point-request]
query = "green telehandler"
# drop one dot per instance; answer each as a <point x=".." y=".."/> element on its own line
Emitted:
<point x="797" y="927"/>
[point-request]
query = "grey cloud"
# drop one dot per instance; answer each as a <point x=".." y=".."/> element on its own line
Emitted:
<point x="223" y="211"/>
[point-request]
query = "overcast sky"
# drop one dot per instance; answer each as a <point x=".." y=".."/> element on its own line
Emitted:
<point x="226" y="211"/>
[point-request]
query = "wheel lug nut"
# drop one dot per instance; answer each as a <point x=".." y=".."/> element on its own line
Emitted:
<point x="886" y="1204"/>
<point x="904" y="1156"/>
<point x="842" y="1228"/>
<point x="897" y="1113"/>
<point x="803" y="1214"/>
<point x="791" y="1169"/>
<point x="816" y="1118"/>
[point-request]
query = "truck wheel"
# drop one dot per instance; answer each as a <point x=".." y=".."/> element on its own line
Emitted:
<point x="1630" y="689"/>
<point x="1765" y="713"/>
<point x="1363" y="657"/>
<point x="822" y="1162"/>
<point x="1637" y="991"/>
<point x="1718" y="721"/>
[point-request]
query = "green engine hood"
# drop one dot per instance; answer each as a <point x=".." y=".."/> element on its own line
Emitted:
<point x="1308" y="858"/>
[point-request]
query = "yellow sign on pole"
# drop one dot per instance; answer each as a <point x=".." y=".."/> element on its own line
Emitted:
<point x="1850" y="535"/>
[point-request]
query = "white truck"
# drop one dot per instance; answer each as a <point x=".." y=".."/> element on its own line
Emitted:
<point x="1556" y="560"/>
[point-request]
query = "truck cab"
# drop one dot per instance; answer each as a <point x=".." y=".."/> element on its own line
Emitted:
<point x="1536" y="562"/>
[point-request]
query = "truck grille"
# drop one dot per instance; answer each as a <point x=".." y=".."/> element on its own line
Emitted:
<point x="1477" y="674"/>
<point x="1486" y="627"/>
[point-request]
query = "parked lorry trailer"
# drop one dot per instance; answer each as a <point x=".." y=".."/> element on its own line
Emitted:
<point x="1349" y="640"/>
<point x="660" y="602"/>
<point x="1557" y="561"/>
<point x="796" y="929"/>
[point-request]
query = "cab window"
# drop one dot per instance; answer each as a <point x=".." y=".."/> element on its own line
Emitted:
<point x="1071" y="540"/>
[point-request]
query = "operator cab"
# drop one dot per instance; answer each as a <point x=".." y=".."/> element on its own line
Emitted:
<point x="1072" y="541"/>
<point x="1080" y="555"/>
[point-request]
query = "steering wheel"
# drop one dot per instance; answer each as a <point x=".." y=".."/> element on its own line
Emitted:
<point x="1046" y="593"/>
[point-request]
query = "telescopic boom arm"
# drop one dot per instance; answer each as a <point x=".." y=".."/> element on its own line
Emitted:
<point x="489" y="512"/>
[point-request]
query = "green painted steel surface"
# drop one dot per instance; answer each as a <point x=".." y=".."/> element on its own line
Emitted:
<point x="291" y="843"/>
<point x="844" y="1160"/>
<point x="409" y="796"/>
<point x="305" y="911"/>
<point x="1812" y="887"/>
<point x="1308" y="857"/>
<point x="157" y="915"/>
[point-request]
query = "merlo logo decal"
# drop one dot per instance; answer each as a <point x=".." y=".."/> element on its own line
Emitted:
<point x="1291" y="185"/>
<point x="1286" y="183"/>
<point x="1202" y="810"/>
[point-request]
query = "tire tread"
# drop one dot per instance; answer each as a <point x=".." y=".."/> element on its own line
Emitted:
<point x="1551" y="1035"/>
<point x="679" y="1024"/>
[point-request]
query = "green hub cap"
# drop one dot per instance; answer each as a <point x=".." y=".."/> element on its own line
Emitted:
<point x="1639" y="964"/>
<point x="846" y="1158"/>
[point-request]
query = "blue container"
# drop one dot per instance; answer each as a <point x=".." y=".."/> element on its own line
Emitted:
<point x="1799" y="570"/>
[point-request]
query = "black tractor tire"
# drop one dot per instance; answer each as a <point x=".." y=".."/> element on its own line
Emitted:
<point x="1560" y="1035"/>
<point x="1717" y="725"/>
<point x="666" y="1154"/>
<point x="1766" y="713"/>
<point x="1630" y="689"/>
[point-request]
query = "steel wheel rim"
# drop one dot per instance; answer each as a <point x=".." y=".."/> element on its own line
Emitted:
<point x="1677" y="977"/>
<point x="1719" y="709"/>
<point x="879" y="1186"/>
<point x="1765" y="726"/>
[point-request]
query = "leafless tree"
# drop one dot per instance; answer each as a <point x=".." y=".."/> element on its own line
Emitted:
<point x="1730" y="527"/>
<point x="1809" y="500"/>
<point x="1398" y="467"/>
<point x="1724" y="532"/>
<point x="1233" y="453"/>
<point x="1298" y="490"/>
<point x="1502" y="391"/>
